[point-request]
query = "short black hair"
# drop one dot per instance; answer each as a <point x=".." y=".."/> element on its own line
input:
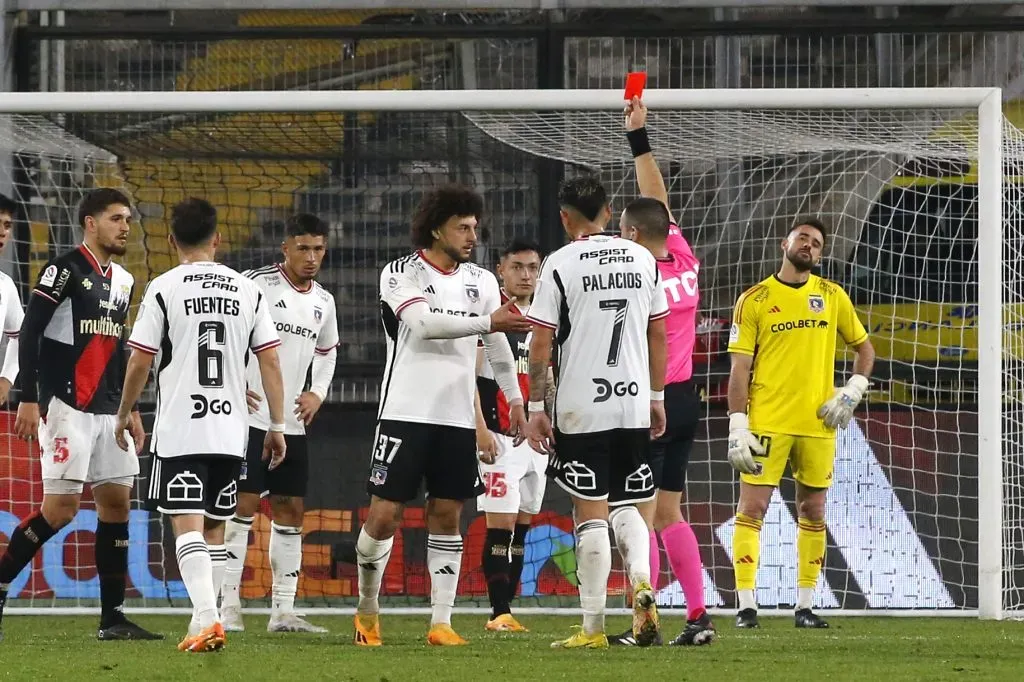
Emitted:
<point x="306" y="223"/>
<point x="193" y="222"/>
<point x="98" y="200"/>
<point x="8" y="206"/>
<point x="811" y="221"/>
<point x="519" y="244"/>
<point x="650" y="216"/>
<point x="585" y="194"/>
<point x="438" y="206"/>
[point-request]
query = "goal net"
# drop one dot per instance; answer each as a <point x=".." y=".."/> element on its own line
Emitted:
<point x="925" y="512"/>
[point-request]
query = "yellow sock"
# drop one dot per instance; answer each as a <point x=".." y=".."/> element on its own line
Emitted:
<point x="746" y="551"/>
<point x="810" y="551"/>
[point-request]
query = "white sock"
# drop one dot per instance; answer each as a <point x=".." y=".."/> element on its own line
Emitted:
<point x="218" y="562"/>
<point x="746" y="599"/>
<point x="634" y="543"/>
<point x="196" y="570"/>
<point x="236" y="541"/>
<point x="804" y="597"/>
<point x="444" y="562"/>
<point x="372" y="557"/>
<point x="285" y="562"/>
<point x="593" y="565"/>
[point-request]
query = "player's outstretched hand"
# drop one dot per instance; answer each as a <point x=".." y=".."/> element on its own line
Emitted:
<point x="504" y="319"/>
<point x="742" y="445"/>
<point x="306" y="407"/>
<point x="26" y="424"/>
<point x="5" y="390"/>
<point x="486" y="445"/>
<point x="517" y="424"/>
<point x="120" y="429"/>
<point x="838" y="410"/>
<point x="274" y="449"/>
<point x="658" y="421"/>
<point x="252" y="401"/>
<point x="136" y="431"/>
<point x="539" y="433"/>
<point x="636" y="114"/>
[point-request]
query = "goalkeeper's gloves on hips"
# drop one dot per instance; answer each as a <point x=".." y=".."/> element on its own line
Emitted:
<point x="742" y="445"/>
<point x="838" y="410"/>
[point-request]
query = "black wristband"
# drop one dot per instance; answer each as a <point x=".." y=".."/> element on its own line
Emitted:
<point x="638" y="142"/>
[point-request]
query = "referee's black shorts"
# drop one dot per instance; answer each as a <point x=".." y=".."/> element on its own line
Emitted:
<point x="670" y="454"/>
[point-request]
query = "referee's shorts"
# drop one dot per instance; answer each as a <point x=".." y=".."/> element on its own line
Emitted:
<point x="670" y="454"/>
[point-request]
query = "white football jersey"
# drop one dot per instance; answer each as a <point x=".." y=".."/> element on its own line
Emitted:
<point x="599" y="293"/>
<point x="201" y="319"/>
<point x="11" y="311"/>
<point x="432" y="381"/>
<point x="307" y="323"/>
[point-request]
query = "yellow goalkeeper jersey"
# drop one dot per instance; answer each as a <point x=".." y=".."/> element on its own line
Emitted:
<point x="791" y="332"/>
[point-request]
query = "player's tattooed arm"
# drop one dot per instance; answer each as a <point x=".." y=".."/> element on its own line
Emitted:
<point x="549" y="389"/>
<point x="540" y="361"/>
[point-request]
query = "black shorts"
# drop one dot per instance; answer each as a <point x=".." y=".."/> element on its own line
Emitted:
<point x="671" y="453"/>
<point x="408" y="453"/>
<point x="195" y="484"/>
<point x="608" y="465"/>
<point x="290" y="478"/>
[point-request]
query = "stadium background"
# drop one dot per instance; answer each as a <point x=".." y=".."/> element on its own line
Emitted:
<point x="364" y="172"/>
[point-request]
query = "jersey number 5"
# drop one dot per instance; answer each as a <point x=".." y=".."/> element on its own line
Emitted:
<point x="619" y="305"/>
<point x="212" y="337"/>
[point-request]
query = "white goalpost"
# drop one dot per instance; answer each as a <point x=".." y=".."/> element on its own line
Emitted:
<point x="927" y="513"/>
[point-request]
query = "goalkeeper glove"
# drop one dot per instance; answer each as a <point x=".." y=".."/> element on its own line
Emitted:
<point x="741" y="443"/>
<point x="838" y="410"/>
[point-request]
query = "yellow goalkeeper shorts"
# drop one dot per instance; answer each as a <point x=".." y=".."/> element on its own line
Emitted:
<point x="811" y="459"/>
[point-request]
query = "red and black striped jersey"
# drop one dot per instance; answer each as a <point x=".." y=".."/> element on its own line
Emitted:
<point x="72" y="338"/>
<point x="493" y="402"/>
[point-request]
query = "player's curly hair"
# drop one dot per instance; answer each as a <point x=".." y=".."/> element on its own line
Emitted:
<point x="585" y="194"/>
<point x="811" y="221"/>
<point x="440" y="205"/>
<point x="96" y="201"/>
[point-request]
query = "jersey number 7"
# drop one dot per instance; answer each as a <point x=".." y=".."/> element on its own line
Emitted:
<point x="618" y="305"/>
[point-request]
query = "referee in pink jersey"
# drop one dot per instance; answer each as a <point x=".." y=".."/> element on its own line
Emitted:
<point x="651" y="224"/>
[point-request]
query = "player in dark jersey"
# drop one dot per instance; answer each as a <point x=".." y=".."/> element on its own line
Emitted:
<point x="72" y="358"/>
<point x="513" y="476"/>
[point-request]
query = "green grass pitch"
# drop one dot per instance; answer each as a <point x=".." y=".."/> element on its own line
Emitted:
<point x="868" y="649"/>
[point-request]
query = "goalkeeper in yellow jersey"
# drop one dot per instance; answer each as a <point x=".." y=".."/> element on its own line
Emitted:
<point x="783" y="407"/>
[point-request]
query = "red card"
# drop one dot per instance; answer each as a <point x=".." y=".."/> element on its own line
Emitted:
<point x="635" y="83"/>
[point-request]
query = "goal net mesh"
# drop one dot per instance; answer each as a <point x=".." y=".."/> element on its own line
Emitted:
<point x="897" y="188"/>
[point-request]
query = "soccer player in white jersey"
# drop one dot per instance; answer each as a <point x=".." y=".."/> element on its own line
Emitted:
<point x="306" y="320"/>
<point x="600" y="299"/>
<point x="10" y="304"/>
<point x="201" y="319"/>
<point x="513" y="475"/>
<point x="435" y="305"/>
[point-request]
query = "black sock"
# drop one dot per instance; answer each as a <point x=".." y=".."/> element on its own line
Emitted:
<point x="518" y="552"/>
<point x="25" y="541"/>
<point x="496" y="569"/>
<point x="112" y="567"/>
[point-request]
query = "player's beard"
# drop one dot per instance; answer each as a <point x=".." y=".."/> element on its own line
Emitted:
<point x="800" y="262"/>
<point x="456" y="254"/>
<point x="115" y="249"/>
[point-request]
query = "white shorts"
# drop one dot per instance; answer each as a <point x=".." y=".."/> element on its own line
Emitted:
<point x="515" y="482"/>
<point x="80" y="446"/>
